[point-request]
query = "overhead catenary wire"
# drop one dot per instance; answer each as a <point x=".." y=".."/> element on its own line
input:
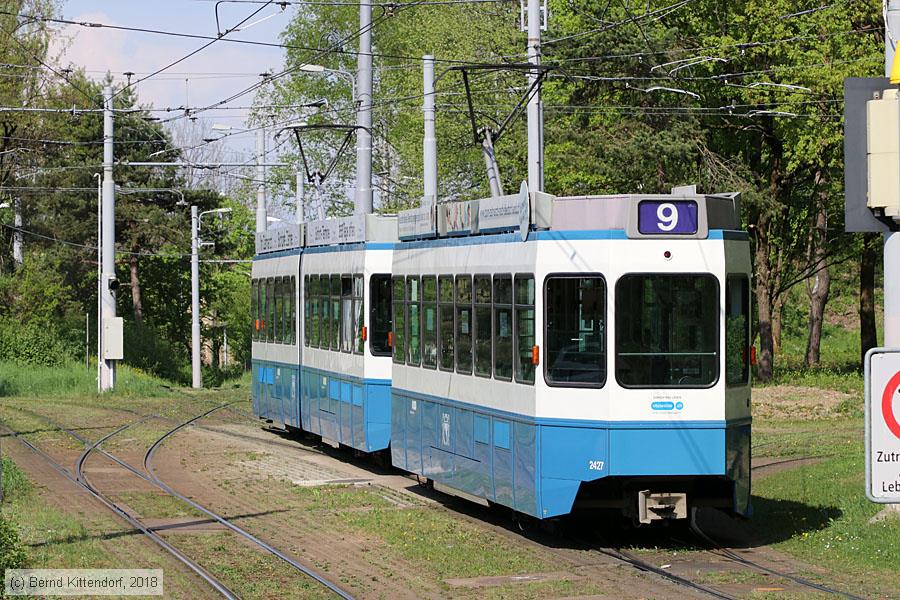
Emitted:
<point x="194" y="52"/>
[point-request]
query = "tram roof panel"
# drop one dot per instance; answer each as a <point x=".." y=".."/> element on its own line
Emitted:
<point x="681" y="214"/>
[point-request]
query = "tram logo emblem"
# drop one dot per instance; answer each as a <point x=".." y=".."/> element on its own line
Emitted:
<point x="445" y="429"/>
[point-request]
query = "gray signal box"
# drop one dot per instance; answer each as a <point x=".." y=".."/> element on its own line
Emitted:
<point x="858" y="216"/>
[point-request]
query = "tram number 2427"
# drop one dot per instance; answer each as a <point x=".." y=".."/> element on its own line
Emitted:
<point x="596" y="465"/>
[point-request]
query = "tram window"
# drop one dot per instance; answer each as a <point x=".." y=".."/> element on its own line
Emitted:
<point x="315" y="313"/>
<point x="737" y="332"/>
<point x="429" y="322"/>
<point x="483" y="325"/>
<point x="358" y="316"/>
<point x="379" y="314"/>
<point x="398" y="331"/>
<point x="278" y="321"/>
<point x="667" y="330"/>
<point x="464" y="324"/>
<point x="346" y="313"/>
<point x="334" y="342"/>
<point x="414" y="320"/>
<point x="307" y="310"/>
<point x="524" y="307"/>
<point x="293" y="309"/>
<point x="445" y="322"/>
<point x="575" y="331"/>
<point x="274" y="305"/>
<point x="270" y="308"/>
<point x="260" y="302"/>
<point x="254" y="309"/>
<point x="325" y="307"/>
<point x="503" y="327"/>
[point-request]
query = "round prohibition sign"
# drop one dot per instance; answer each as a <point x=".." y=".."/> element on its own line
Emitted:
<point x="887" y="410"/>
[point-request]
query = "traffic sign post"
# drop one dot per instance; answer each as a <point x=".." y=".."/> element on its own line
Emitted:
<point x="883" y="425"/>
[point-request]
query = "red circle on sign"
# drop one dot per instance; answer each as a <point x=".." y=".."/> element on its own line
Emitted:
<point x="887" y="410"/>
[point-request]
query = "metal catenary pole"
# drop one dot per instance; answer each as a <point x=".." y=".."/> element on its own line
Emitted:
<point x="892" y="239"/>
<point x="261" y="217"/>
<point x="429" y="145"/>
<point x="195" y="299"/>
<point x="535" y="137"/>
<point x="363" y="199"/>
<point x="108" y="367"/>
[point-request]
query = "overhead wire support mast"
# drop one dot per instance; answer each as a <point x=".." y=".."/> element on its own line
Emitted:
<point x="363" y="197"/>
<point x="108" y="211"/>
<point x="535" y="108"/>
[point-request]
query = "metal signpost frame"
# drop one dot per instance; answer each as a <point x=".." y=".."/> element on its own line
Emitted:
<point x="872" y="412"/>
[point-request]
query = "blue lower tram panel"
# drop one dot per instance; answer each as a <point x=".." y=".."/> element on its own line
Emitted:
<point x="538" y="469"/>
<point x="351" y="411"/>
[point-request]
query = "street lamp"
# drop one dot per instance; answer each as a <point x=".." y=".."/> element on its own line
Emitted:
<point x="322" y="69"/>
<point x="195" y="290"/>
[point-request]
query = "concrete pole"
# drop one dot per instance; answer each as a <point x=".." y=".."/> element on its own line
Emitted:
<point x="429" y="145"/>
<point x="108" y="367"/>
<point x="261" y="221"/>
<point x="363" y="199"/>
<point x="99" y="278"/>
<point x="891" y="240"/>
<point x="490" y="162"/>
<point x="535" y="138"/>
<point x="18" y="256"/>
<point x="195" y="299"/>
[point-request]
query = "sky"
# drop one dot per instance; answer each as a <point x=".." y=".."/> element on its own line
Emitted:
<point x="211" y="75"/>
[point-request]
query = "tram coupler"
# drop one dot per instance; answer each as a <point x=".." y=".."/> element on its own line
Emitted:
<point x="659" y="506"/>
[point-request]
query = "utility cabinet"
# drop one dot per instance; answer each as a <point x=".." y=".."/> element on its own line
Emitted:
<point x="113" y="345"/>
<point x="883" y="154"/>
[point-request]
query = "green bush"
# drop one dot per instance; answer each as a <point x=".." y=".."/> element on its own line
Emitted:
<point x="15" y="485"/>
<point x="32" y="344"/>
<point x="12" y="555"/>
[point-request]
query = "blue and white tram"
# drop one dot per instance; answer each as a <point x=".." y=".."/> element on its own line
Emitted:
<point x="345" y="359"/>
<point x="275" y="352"/>
<point x="600" y="359"/>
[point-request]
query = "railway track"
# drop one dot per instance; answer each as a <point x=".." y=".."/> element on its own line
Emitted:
<point x="128" y="518"/>
<point x="613" y="552"/>
<point x="720" y="550"/>
<point x="150" y="477"/>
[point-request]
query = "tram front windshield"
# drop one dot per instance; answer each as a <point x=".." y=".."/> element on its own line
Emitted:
<point x="667" y="330"/>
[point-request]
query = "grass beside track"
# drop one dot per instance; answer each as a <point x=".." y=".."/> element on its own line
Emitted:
<point x="74" y="379"/>
<point x="818" y="511"/>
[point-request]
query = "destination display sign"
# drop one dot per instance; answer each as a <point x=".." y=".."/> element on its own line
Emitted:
<point x="499" y="214"/>
<point x="275" y="240"/>
<point x="883" y="425"/>
<point x="667" y="217"/>
<point x="342" y="230"/>
<point x="417" y="222"/>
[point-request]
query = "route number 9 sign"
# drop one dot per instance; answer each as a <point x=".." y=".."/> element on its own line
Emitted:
<point x="667" y="217"/>
<point x="883" y="425"/>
